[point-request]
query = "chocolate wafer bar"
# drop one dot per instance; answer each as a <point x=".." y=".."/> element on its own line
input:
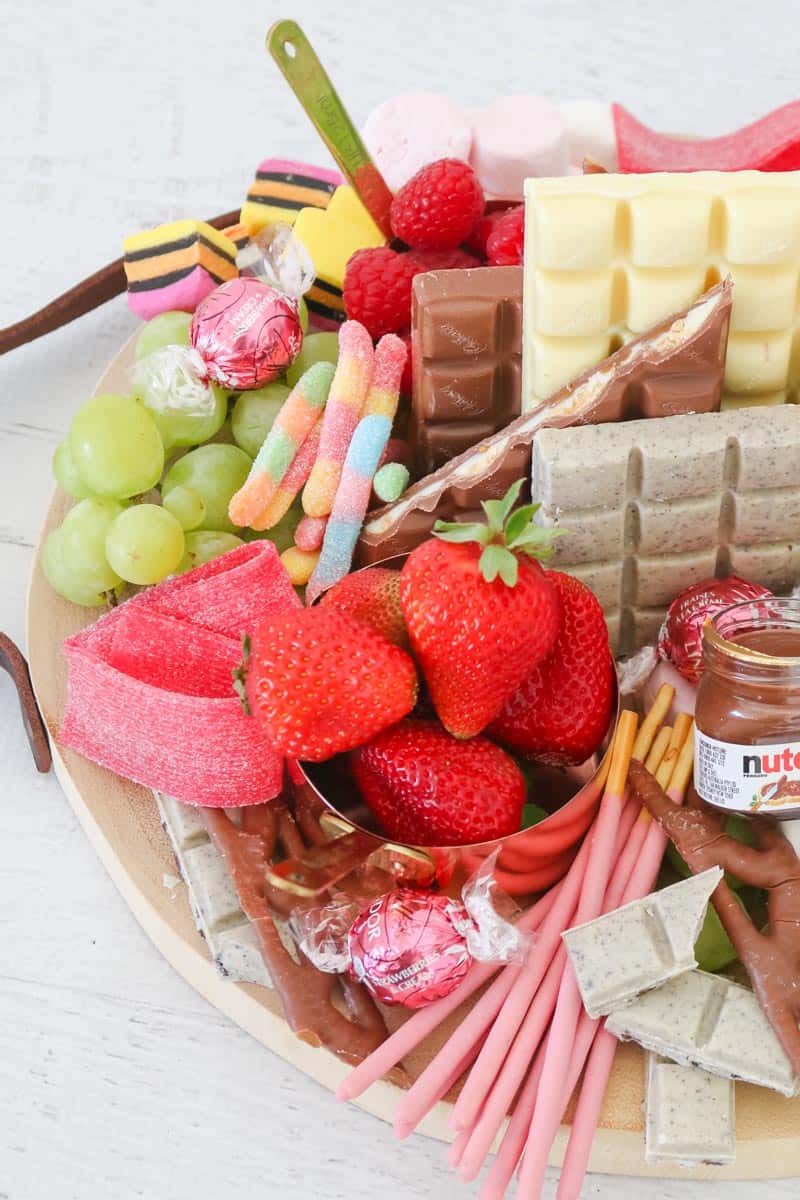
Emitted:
<point x="466" y="332"/>
<point x="606" y="256"/>
<point x="675" y="367"/>
<point x="670" y="504"/>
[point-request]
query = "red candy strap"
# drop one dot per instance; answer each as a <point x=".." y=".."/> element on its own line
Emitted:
<point x="770" y="144"/>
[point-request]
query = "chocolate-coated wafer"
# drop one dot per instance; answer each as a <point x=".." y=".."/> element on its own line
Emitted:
<point x="675" y="367"/>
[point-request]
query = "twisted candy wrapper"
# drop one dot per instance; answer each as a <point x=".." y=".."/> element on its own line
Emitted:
<point x="150" y="689"/>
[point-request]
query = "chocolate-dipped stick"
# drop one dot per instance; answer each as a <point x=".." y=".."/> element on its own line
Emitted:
<point x="772" y="959"/>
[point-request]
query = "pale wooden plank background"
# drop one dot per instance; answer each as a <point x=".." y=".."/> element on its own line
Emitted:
<point x="116" y="1080"/>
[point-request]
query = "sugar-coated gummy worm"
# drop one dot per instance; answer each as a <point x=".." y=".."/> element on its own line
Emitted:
<point x="361" y="462"/>
<point x="292" y="482"/>
<point x="346" y="400"/>
<point x="298" y="415"/>
<point x="310" y="533"/>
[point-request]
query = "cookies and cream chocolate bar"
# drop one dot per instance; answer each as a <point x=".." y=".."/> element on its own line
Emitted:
<point x="653" y="507"/>
<point x="709" y="1022"/>
<point x="230" y="937"/>
<point x="690" y="1115"/>
<point x="607" y="256"/>
<point x="637" y="947"/>
<point x="675" y="367"/>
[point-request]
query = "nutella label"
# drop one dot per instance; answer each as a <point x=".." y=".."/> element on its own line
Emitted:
<point x="748" y="779"/>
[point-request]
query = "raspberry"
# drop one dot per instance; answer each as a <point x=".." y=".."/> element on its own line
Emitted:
<point x="476" y="242"/>
<point x="443" y="260"/>
<point x="504" y="247"/>
<point x="439" y="206"/>
<point x="377" y="289"/>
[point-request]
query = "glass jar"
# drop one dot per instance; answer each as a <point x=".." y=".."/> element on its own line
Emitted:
<point x="747" y="747"/>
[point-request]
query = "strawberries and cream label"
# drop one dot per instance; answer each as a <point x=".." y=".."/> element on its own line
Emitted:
<point x="748" y="779"/>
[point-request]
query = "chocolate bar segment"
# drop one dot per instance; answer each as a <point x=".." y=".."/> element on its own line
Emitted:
<point x="675" y="367"/>
<point x="467" y="341"/>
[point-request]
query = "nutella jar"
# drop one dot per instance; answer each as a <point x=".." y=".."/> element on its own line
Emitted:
<point x="747" y="747"/>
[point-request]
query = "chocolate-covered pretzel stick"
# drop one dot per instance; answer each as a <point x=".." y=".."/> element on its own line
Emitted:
<point x="772" y="959"/>
<point x="306" y="994"/>
<point x="89" y="294"/>
<point x="12" y="660"/>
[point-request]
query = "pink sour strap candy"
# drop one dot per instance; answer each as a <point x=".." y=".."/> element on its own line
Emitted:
<point x="769" y="144"/>
<point x="147" y="690"/>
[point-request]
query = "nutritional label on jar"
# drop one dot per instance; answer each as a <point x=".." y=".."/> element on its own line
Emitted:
<point x="748" y="779"/>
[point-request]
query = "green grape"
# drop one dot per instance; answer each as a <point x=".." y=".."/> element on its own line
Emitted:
<point x="167" y="329"/>
<point x="187" y="506"/>
<point x="253" y="416"/>
<point x="215" y="472"/>
<point x="66" y="473"/>
<point x="204" y="545"/>
<point x="145" y="544"/>
<point x="177" y="427"/>
<point x="63" y="577"/>
<point x="115" y="446"/>
<point x="282" y="534"/>
<point x="317" y="347"/>
<point x="713" y="948"/>
<point x="302" y="311"/>
<point x="83" y="542"/>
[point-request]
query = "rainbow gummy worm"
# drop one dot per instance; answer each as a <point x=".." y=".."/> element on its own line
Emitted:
<point x="345" y="403"/>
<point x="292" y="482"/>
<point x="363" y="455"/>
<point x="298" y="415"/>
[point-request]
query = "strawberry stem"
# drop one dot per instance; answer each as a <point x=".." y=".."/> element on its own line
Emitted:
<point x="506" y="535"/>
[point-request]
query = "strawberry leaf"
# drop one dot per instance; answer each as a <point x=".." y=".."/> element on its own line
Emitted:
<point x="497" y="560"/>
<point x="518" y="522"/>
<point x="497" y="510"/>
<point x="456" y="531"/>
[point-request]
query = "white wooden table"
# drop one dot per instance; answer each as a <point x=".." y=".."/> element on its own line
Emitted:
<point x="116" y="1080"/>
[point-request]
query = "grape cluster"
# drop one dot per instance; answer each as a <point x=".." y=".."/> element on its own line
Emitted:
<point x="135" y="522"/>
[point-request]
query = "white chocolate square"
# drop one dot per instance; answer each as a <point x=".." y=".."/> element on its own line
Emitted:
<point x="763" y="224"/>
<point x="654" y="294"/>
<point x="666" y="234"/>
<point x="558" y="360"/>
<point x="574" y="233"/>
<point x="574" y="305"/>
<point x="758" y="362"/>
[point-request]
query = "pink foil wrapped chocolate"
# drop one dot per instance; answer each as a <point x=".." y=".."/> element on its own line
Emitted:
<point x="247" y="333"/>
<point x="681" y="638"/>
<point x="410" y="948"/>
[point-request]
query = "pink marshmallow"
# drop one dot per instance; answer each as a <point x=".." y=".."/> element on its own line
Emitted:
<point x="409" y="131"/>
<point x="514" y="138"/>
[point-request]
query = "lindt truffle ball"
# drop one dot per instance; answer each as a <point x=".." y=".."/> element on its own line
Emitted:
<point x="681" y="638"/>
<point x="410" y="947"/>
<point x="247" y="333"/>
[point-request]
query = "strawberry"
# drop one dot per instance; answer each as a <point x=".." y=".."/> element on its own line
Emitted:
<point x="429" y="789"/>
<point x="321" y="682"/>
<point x="480" y="611"/>
<point x="560" y="713"/>
<point x="372" y="596"/>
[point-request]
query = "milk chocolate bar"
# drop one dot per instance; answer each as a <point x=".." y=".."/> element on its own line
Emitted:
<point x="466" y="329"/>
<point x="710" y="1022"/>
<point x="675" y="367"/>
<point x="637" y="947"/>
<point x="607" y="256"/>
<point x="690" y="1115"/>
<point x="669" y="504"/>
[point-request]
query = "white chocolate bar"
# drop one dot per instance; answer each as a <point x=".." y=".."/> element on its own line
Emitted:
<point x="607" y="256"/>
<point x="230" y="938"/>
<point x="707" y="1021"/>
<point x="690" y="1115"/>
<point x="671" y="502"/>
<point x="637" y="947"/>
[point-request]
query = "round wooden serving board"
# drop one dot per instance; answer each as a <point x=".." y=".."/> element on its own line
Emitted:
<point x="122" y="823"/>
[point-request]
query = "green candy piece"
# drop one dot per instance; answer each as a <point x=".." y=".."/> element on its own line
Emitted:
<point x="390" y="482"/>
